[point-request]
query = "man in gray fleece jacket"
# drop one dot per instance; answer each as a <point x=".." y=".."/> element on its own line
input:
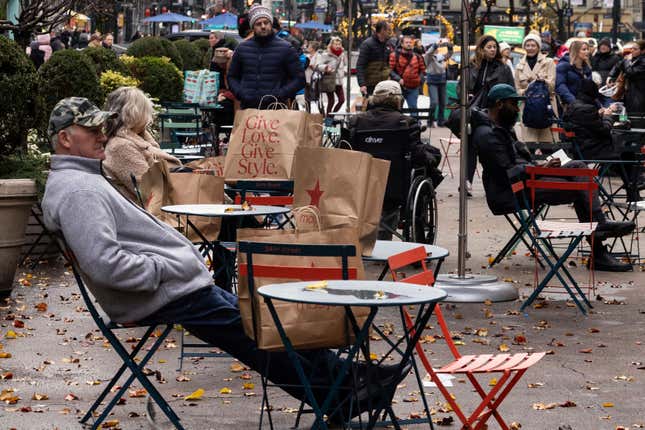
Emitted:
<point x="142" y="270"/>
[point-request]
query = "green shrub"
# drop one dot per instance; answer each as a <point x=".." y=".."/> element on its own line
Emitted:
<point x="190" y="54"/>
<point x="104" y="60"/>
<point x="156" y="47"/>
<point x="160" y="78"/>
<point x="203" y="46"/>
<point x="21" y="105"/>
<point x="111" y="80"/>
<point x="68" y="73"/>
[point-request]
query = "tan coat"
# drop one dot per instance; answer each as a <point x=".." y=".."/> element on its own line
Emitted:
<point x="126" y="153"/>
<point x="544" y="70"/>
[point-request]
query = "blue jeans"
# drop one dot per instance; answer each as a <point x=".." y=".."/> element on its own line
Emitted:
<point x="411" y="96"/>
<point x="437" y="100"/>
<point x="212" y="315"/>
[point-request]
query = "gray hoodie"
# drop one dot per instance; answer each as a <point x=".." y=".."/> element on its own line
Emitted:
<point x="132" y="263"/>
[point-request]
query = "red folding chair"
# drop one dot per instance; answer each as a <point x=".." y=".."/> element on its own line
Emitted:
<point x="511" y="366"/>
<point x="543" y="232"/>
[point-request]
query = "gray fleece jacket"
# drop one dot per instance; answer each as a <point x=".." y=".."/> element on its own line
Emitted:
<point x="132" y="263"/>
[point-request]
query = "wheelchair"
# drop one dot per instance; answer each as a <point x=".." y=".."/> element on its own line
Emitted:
<point x="409" y="190"/>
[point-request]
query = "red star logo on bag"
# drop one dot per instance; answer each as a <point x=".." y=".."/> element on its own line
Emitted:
<point x="315" y="194"/>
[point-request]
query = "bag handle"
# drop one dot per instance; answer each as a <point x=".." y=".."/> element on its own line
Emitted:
<point x="310" y="209"/>
<point x="346" y="143"/>
<point x="277" y="106"/>
<point x="267" y="95"/>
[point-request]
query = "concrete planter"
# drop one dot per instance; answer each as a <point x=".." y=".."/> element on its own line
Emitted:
<point x="16" y="198"/>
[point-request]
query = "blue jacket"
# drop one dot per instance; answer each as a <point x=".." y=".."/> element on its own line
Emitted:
<point x="568" y="79"/>
<point x="262" y="67"/>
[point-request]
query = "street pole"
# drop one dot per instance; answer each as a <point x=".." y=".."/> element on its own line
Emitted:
<point x="462" y="287"/>
<point x="615" y="16"/>
<point x="463" y="127"/>
<point x="350" y="42"/>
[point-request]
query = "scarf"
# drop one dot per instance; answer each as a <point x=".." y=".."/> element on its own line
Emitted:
<point x="336" y="51"/>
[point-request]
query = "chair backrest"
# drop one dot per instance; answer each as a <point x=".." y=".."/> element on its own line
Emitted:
<point x="269" y="187"/>
<point x="392" y="145"/>
<point x="425" y="277"/>
<point x="251" y="270"/>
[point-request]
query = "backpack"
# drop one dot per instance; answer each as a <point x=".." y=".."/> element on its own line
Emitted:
<point x="538" y="112"/>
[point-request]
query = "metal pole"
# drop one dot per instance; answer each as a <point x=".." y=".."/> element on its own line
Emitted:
<point x="350" y="42"/>
<point x="463" y="127"/>
<point x="615" y="15"/>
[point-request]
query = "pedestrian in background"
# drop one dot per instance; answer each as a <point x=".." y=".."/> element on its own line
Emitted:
<point x="572" y="69"/>
<point x="602" y="62"/>
<point x="331" y="63"/>
<point x="487" y="69"/>
<point x="533" y="67"/>
<point x="408" y="69"/>
<point x="505" y="49"/>
<point x="373" y="64"/>
<point x="633" y="71"/>
<point x="436" y="79"/>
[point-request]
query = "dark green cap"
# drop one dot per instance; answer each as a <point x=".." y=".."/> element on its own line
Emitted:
<point x="502" y="92"/>
<point x="76" y="111"/>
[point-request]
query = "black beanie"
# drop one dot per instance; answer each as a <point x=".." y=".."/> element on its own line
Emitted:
<point x="605" y="41"/>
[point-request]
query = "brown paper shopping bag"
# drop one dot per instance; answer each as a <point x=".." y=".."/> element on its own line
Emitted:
<point x="216" y="164"/>
<point x="308" y="326"/>
<point x="159" y="188"/>
<point x="263" y="143"/>
<point x="347" y="187"/>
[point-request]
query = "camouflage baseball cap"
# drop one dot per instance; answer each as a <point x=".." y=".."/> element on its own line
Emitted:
<point x="76" y="110"/>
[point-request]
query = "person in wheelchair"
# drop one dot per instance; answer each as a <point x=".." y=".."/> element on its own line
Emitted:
<point x="397" y="134"/>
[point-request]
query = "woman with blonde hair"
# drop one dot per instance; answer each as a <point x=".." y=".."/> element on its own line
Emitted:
<point x="332" y="63"/>
<point x="535" y="67"/>
<point x="573" y="68"/>
<point x="131" y="149"/>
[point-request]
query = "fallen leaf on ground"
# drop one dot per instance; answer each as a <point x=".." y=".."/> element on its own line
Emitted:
<point x="504" y="348"/>
<point x="542" y="406"/>
<point x="586" y="351"/>
<point x="10" y="334"/>
<point x="492" y="382"/>
<point x="141" y="392"/>
<point x="182" y="378"/>
<point x="40" y="397"/>
<point x="568" y="404"/>
<point x="225" y="390"/>
<point x="110" y="424"/>
<point x="608" y="405"/>
<point x="71" y="397"/>
<point x="41" y="307"/>
<point x="236" y="367"/>
<point x="248" y="386"/>
<point x="6" y="375"/>
<point x="195" y="395"/>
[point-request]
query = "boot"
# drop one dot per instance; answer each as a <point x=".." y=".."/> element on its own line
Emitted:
<point x="605" y="262"/>
<point x="608" y="228"/>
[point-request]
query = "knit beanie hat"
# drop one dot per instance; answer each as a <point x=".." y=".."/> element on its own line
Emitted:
<point x="258" y="11"/>
<point x="605" y="41"/>
<point x="534" y="37"/>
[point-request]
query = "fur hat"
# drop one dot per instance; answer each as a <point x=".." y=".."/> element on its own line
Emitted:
<point x="258" y="11"/>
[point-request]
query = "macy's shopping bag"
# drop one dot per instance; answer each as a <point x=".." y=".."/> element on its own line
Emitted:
<point x="347" y="187"/>
<point x="159" y="188"/>
<point x="307" y="326"/>
<point x="263" y="142"/>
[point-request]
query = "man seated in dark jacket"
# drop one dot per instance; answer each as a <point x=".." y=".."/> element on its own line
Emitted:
<point x="592" y="127"/>
<point x="264" y="65"/>
<point x="384" y="113"/>
<point x="502" y="156"/>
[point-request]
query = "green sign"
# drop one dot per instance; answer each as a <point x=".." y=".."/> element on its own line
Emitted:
<point x="510" y="35"/>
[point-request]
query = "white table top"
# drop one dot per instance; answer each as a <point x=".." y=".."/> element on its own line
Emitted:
<point x="354" y="293"/>
<point x="217" y="210"/>
<point x="384" y="249"/>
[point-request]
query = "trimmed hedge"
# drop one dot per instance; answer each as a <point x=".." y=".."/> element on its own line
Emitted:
<point x="203" y="46"/>
<point x="190" y="54"/>
<point x="20" y="109"/>
<point x="156" y="47"/>
<point x="104" y="60"/>
<point x="160" y="78"/>
<point x="68" y="73"/>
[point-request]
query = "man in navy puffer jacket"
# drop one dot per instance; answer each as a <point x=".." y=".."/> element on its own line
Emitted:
<point x="264" y="65"/>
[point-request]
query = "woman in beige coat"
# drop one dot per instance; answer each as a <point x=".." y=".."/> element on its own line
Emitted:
<point x="130" y="148"/>
<point x="532" y="67"/>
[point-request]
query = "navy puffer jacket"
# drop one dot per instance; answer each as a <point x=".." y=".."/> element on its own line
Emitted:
<point x="265" y="66"/>
<point x="568" y="79"/>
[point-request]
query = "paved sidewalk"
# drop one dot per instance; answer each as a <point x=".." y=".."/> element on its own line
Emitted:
<point x="592" y="379"/>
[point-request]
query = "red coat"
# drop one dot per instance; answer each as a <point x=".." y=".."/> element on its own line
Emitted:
<point x="407" y="66"/>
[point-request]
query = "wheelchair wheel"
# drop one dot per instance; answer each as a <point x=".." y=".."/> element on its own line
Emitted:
<point x="422" y="212"/>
